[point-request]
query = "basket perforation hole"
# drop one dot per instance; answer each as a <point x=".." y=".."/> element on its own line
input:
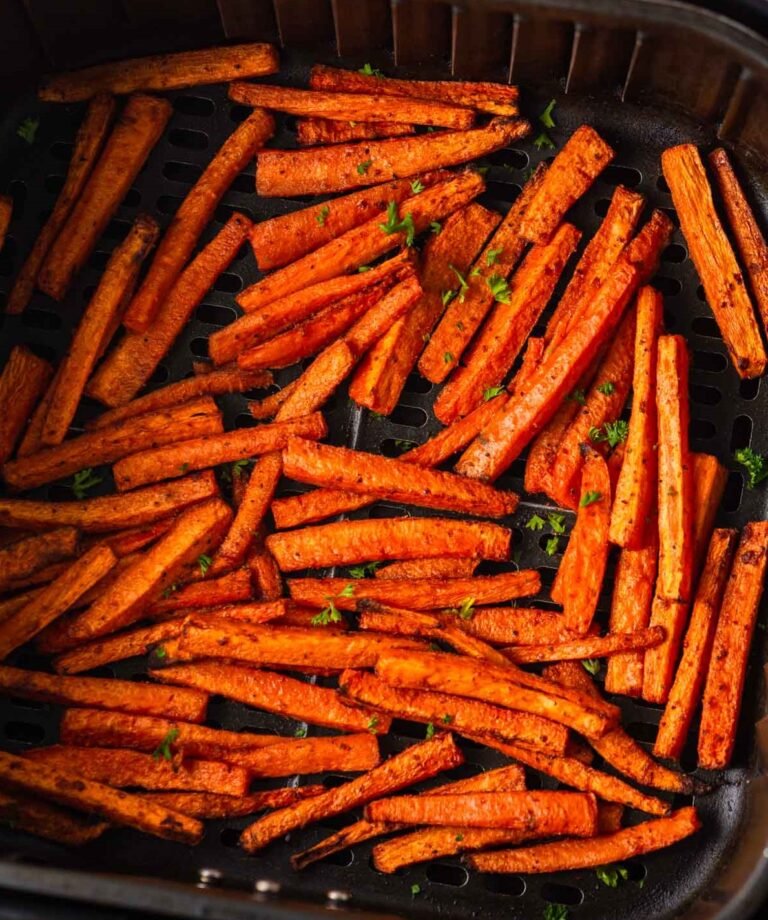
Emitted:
<point x="168" y="204"/>
<point x="703" y="429"/>
<point x="669" y="287"/>
<point x="411" y="416"/>
<point x="547" y="574"/>
<point x="41" y="319"/>
<point x="190" y="140"/>
<point x="674" y="253"/>
<point x="601" y="206"/>
<point x="417" y="384"/>
<point x="562" y="894"/>
<point x="24" y="732"/>
<point x="181" y="172"/>
<point x="616" y="174"/>
<point x="709" y="361"/>
<point x="230" y="836"/>
<point x="228" y="283"/>
<point x="132" y="198"/>
<point x="706" y="396"/>
<point x="741" y="432"/>
<point x="748" y="389"/>
<point x="199" y="347"/>
<point x="217" y="316"/>
<point x="98" y="260"/>
<point x="53" y="184"/>
<point x="194" y="105"/>
<point x="161" y="374"/>
<point x="444" y="874"/>
<point x="117" y="229"/>
<point x="343" y="858"/>
<point x="512" y="885"/>
<point x="706" y="326"/>
<point x="701" y="293"/>
<point x="246" y="420"/>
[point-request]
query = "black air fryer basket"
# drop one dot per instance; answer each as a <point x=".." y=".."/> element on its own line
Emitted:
<point x="646" y="74"/>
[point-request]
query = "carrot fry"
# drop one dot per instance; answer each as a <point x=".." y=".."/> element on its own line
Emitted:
<point x="511" y="322"/>
<point x="273" y="692"/>
<point x="465" y="313"/>
<point x="32" y="440"/>
<point x="199" y="417"/>
<point x="454" y="713"/>
<point x="322" y="170"/>
<point x="347" y="837"/>
<point x="97" y="326"/>
<point x="264" y="571"/>
<point x="311" y="132"/>
<point x="598" y="851"/>
<point x="116" y="648"/>
<point x="709" y="478"/>
<point x="544" y="449"/>
<point x="416" y="593"/>
<point x="120" y="767"/>
<point x="56" y="599"/>
<point x="6" y="213"/>
<point x="135" y="133"/>
<point x="713" y="256"/>
<point x="350" y="753"/>
<point x="593" y="647"/>
<point x="118" y="695"/>
<point x="697" y="647"/>
<point x="213" y="592"/>
<point x="85" y="153"/>
<point x="48" y="821"/>
<point x="503" y="438"/>
<point x="659" y="662"/>
<point x="211" y="805"/>
<point x="125" y="542"/>
<point x="494" y="98"/>
<point x="352" y="107"/>
<point x="517" y="626"/>
<point x="318" y="382"/>
<point x="365" y="242"/>
<point x="410" y="766"/>
<point x="154" y="464"/>
<point x="65" y="788"/>
<point x="22" y="383"/>
<point x="267" y="408"/>
<point x="34" y="554"/>
<point x="724" y="686"/>
<point x="427" y="568"/>
<point x="633" y="586"/>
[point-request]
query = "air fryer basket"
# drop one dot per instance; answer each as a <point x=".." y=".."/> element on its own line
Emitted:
<point x="647" y="75"/>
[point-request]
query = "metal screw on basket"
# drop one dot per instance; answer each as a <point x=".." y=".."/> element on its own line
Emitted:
<point x="209" y="877"/>
<point x="266" y="886"/>
<point x="337" y="898"/>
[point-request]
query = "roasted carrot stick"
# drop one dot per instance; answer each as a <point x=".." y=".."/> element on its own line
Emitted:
<point x="313" y="131"/>
<point x="115" y="648"/>
<point x="36" y="553"/>
<point x="319" y="381"/>
<point x="131" y="363"/>
<point x="659" y="662"/>
<point x="517" y="626"/>
<point x="85" y="152"/>
<point x="319" y="170"/>
<point x="267" y="408"/>
<point x="48" y="821"/>
<point x="427" y="568"/>
<point x="598" y="851"/>
<point x="697" y="647"/>
<point x="211" y="592"/>
<point x="709" y="479"/>
<point x="592" y="647"/>
<point x="22" y="383"/>
<point x="97" y="326"/>
<point x="724" y="687"/>
<point x="32" y="441"/>
<point x="6" y="212"/>
<point x="714" y="258"/>
<point x="265" y="573"/>
<point x="212" y="805"/>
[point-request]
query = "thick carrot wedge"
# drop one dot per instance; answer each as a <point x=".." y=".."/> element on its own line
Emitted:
<point x="592" y="647"/>
<point x="454" y="713"/>
<point x="125" y="542"/>
<point x="350" y="753"/>
<point x="633" y="586"/>
<point x="375" y="322"/>
<point x="97" y="326"/>
<point x="351" y="106"/>
<point x="22" y="383"/>
<point x="211" y="805"/>
<point x="320" y="170"/>
<point x="724" y="688"/>
<point x="466" y="312"/>
<point x="318" y="382"/>
<point x="48" y="821"/>
<point x="32" y="441"/>
<point x="35" y="554"/>
<point x="635" y="495"/>
<point x="116" y="648"/>
<point x="274" y="693"/>
<point x="70" y="789"/>
<point x="598" y="851"/>
<point x="427" y="568"/>
<point x="709" y="479"/>
<point x="517" y="626"/>
<point x="697" y="647"/>
<point x="543" y="452"/>
<point x="410" y="766"/>
<point x="265" y="573"/>
<point x="511" y="322"/>
<point x="136" y="132"/>
<point x="212" y="592"/>
<point x="194" y="214"/>
<point x="713" y="256"/>
<point x="503" y="438"/>
<point x="62" y="593"/>
<point x="199" y="417"/>
<point x="132" y="362"/>
<point x="313" y="131"/>
<point x="89" y="141"/>
<point x="110" y="512"/>
<point x="350" y="542"/>
<point x="660" y="661"/>
<point x="416" y="593"/>
<point x="119" y="695"/>
<point x="675" y="487"/>
<point x="494" y="98"/>
<point x="749" y="238"/>
<point x="177" y="459"/>
<point x="162" y="72"/>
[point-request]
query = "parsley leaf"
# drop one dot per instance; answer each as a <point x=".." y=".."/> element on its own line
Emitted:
<point x="164" y="748"/>
<point x="395" y="225"/>
<point x="492" y="393"/>
<point x="607" y="388"/>
<point x="448" y="357"/>
<point x="323" y="215"/>
<point x="435" y="226"/>
<point x="240" y="466"/>
<point x="610" y="875"/>
<point x="755" y="464"/>
<point x="466" y="608"/>
<point x="589" y="498"/>
<point x="160" y="652"/>
<point x="551" y="546"/>
<point x="447" y="297"/>
<point x="499" y="288"/>
<point x="535" y="523"/>
<point x="447" y="719"/>
<point x="578" y="396"/>
<point x="377" y="416"/>
<point x="83" y="481"/>
<point x="417" y="186"/>
<point x="546" y="116"/>
<point x="363" y="268"/>
<point x="347" y="591"/>
<point x="463" y="286"/>
<point x="544" y="140"/>
<point x="171" y="589"/>
<point x="300" y="732"/>
<point x="592" y="665"/>
<point x="612" y="432"/>
<point x="183" y="467"/>
<point x="362" y="168"/>
<point x="415" y="889"/>
<point x="555" y="912"/>
<point x="556" y="522"/>
<point x="28" y="129"/>
<point x="404" y="445"/>
<point x="329" y="614"/>
<point x="205" y="563"/>
<point x="369" y="71"/>
<point x="362" y="571"/>
<point x="373" y="724"/>
<point x="430" y="732"/>
<point x="492" y="256"/>
<point x="458" y="838"/>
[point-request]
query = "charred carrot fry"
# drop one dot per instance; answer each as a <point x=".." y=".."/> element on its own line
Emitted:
<point x="98" y="324"/>
<point x="320" y="171"/>
<point x="494" y="98"/>
<point x="125" y="542"/>
<point x="544" y="449"/>
<point x="115" y="648"/>
<point x="267" y="408"/>
<point x="212" y="805"/>
<point x="65" y="788"/>
<point x="36" y="553"/>
<point x="198" y="453"/>
<point x="709" y="477"/>
<point x="427" y="568"/>
<point x="598" y="851"/>
<point x="197" y="417"/>
<point x="131" y="363"/>
<point x="136" y="132"/>
<point x="659" y="662"/>
<point x="675" y="491"/>
<point x="410" y="766"/>
<point x="713" y="256"/>
<point x="32" y="440"/>
<point x="724" y="687"/>
<point x="313" y="131"/>
<point x="212" y="592"/>
<point x="635" y="497"/>
<point x="162" y="71"/>
<point x="517" y="626"/>
<point x="118" y="695"/>
<point x="22" y="383"/>
<point x="274" y="693"/>
<point x="697" y="647"/>
<point x="110" y="512"/>
<point x="318" y="382"/>
<point x="340" y="106"/>
<point x="348" y="837"/>
<point x="593" y="647"/>
<point x="88" y="144"/>
<point x="502" y="337"/>
<point x="351" y="753"/>
<point x="195" y="212"/>
<point x="633" y="587"/>
<point x="48" y="821"/>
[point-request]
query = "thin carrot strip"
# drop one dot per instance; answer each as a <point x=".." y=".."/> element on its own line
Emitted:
<point x="709" y="480"/>
<point x="22" y="382"/>
<point x="313" y="131"/>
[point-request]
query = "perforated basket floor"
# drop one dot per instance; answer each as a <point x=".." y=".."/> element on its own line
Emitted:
<point x="725" y="415"/>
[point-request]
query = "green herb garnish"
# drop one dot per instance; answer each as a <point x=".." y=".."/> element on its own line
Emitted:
<point x="395" y="225"/>
<point x="323" y="215"/>
<point x="592" y="665"/>
<point x="362" y="168"/>
<point x="492" y="393"/>
<point x="499" y="288"/>
<point x="756" y="465"/>
<point x="589" y="498"/>
<point x="28" y="129"/>
<point x="164" y="748"/>
<point x="535" y="523"/>
<point x="83" y="481"/>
